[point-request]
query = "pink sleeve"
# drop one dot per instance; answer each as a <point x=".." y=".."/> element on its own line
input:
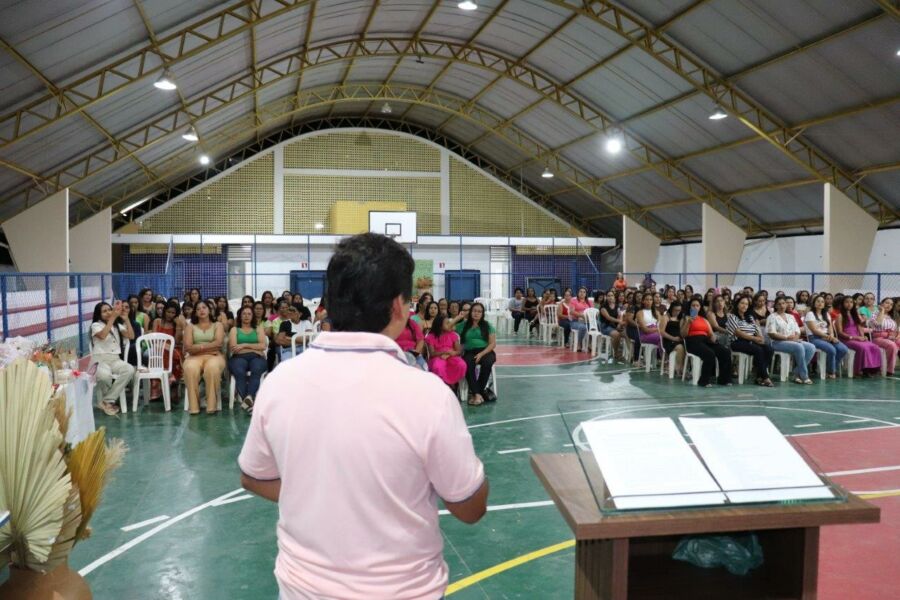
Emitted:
<point x="256" y="459"/>
<point x="452" y="466"/>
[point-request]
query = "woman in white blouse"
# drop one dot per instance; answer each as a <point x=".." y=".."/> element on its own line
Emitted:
<point x="821" y="334"/>
<point x="785" y="335"/>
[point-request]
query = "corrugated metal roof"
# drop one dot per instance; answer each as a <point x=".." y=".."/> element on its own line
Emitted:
<point x="854" y="72"/>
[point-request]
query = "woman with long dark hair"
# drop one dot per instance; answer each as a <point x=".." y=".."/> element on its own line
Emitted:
<point x="478" y="341"/>
<point x="700" y="340"/>
<point x="747" y="338"/>
<point x="445" y="351"/>
<point x="108" y="332"/>
<point x="203" y="344"/>
<point x="424" y="300"/>
<point x="247" y="343"/>
<point x="821" y="334"/>
<point x="851" y="330"/>
<point x="785" y="336"/>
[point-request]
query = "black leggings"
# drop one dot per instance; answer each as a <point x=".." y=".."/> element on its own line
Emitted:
<point x="710" y="353"/>
<point x="476" y="386"/>
<point x="634" y="335"/>
<point x="761" y="353"/>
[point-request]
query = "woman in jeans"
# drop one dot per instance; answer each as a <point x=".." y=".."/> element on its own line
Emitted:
<point x="517" y="309"/>
<point x="821" y="334"/>
<point x="785" y="336"/>
<point x="700" y="340"/>
<point x="247" y="342"/>
<point x="113" y="374"/>
<point x="747" y="338"/>
<point x="478" y="341"/>
<point x="577" y="320"/>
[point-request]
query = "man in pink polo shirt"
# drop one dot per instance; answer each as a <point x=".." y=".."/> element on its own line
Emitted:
<point x="356" y="446"/>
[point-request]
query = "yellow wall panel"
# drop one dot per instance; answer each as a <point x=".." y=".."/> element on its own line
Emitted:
<point x="309" y="199"/>
<point x="362" y="150"/>
<point x="240" y="202"/>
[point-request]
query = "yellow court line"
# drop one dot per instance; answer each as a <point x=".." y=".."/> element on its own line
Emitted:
<point x="886" y="494"/>
<point x="505" y="566"/>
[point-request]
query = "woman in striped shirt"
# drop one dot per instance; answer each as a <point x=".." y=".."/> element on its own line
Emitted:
<point x="747" y="338"/>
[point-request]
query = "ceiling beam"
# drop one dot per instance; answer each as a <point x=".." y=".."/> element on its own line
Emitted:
<point x="768" y="62"/>
<point x="304" y="48"/>
<point x="739" y="105"/>
<point x="110" y="79"/>
<point x="321" y="97"/>
<point x="892" y="7"/>
<point x="362" y="36"/>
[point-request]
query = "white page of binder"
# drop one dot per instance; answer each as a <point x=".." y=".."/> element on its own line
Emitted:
<point x="647" y="463"/>
<point x="749" y="453"/>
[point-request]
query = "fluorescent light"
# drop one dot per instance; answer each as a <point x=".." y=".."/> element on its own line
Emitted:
<point x="131" y="207"/>
<point x="614" y="144"/>
<point x="898" y="52"/>
<point x="165" y="81"/>
<point x="718" y="115"/>
<point x="547" y="174"/>
<point x="319" y="226"/>
<point x="204" y="159"/>
<point x="467" y="5"/>
<point x="386" y="108"/>
<point x="191" y="135"/>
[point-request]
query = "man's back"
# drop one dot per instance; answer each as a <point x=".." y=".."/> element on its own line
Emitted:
<point x="362" y="444"/>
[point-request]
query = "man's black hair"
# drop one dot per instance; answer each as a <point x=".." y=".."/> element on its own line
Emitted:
<point x="365" y="274"/>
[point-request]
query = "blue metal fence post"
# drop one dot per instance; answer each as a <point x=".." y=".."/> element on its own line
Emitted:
<point x="717" y="280"/>
<point x="80" y="315"/>
<point x="812" y="286"/>
<point x="759" y="282"/>
<point x="3" y="299"/>
<point x="878" y="287"/>
<point x="47" y="307"/>
<point x="102" y="290"/>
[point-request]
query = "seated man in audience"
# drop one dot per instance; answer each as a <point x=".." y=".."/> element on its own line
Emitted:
<point x="297" y="322"/>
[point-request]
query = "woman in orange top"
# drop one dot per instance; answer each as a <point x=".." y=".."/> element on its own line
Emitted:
<point x="620" y="283"/>
<point x="700" y="340"/>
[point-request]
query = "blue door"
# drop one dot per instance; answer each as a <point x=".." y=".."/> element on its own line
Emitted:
<point x="462" y="285"/>
<point x="310" y="284"/>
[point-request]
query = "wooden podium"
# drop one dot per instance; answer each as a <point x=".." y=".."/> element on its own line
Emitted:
<point x="629" y="556"/>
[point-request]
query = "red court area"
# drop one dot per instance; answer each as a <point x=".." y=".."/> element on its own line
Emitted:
<point x="861" y="562"/>
<point x="536" y="356"/>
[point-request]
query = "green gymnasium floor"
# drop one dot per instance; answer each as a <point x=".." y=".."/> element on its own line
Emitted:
<point x="209" y="539"/>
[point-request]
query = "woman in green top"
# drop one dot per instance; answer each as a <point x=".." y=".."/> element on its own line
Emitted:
<point x="424" y="300"/>
<point x="203" y="344"/>
<point x="247" y="342"/>
<point x="478" y="340"/>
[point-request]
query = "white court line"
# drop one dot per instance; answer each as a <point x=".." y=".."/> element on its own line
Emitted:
<point x="700" y="414"/>
<point x="513" y="450"/>
<point x="134" y="526"/>
<point x="851" y="430"/>
<point x="857" y="421"/>
<point x="568" y="374"/>
<point x="568" y="445"/>
<point x="147" y="534"/>
<point x="807" y="425"/>
<point x="510" y="506"/>
<point x="861" y="471"/>
<point x="230" y="500"/>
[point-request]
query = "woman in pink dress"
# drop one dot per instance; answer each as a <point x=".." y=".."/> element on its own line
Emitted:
<point x="884" y="333"/>
<point x="851" y="331"/>
<point x="444" y="350"/>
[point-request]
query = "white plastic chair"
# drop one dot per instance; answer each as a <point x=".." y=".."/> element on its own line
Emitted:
<point x="491" y="385"/>
<point x="594" y="337"/>
<point x="304" y="337"/>
<point x="157" y="365"/>
<point x="549" y="323"/>
<point x="847" y="364"/>
<point x="744" y="365"/>
<point x="233" y="390"/>
<point x="499" y="313"/>
<point x="822" y="362"/>
<point x="123" y="397"/>
<point x="692" y="363"/>
<point x="784" y="363"/>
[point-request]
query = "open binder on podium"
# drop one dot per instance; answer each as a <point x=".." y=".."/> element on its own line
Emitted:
<point x="668" y="462"/>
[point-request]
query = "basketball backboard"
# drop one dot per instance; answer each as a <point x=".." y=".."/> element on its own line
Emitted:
<point x="400" y="225"/>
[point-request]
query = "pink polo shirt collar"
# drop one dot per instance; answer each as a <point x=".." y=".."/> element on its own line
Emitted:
<point x="358" y="341"/>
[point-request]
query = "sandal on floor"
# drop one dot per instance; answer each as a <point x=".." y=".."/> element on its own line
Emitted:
<point x="808" y="382"/>
<point x="109" y="408"/>
<point x="798" y="380"/>
<point x="473" y="401"/>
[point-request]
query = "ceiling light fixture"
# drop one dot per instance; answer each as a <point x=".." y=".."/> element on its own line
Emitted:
<point x="191" y="135"/>
<point x="718" y="115"/>
<point x="131" y="207"/>
<point x="165" y="81"/>
<point x="319" y="226"/>
<point x="467" y="5"/>
<point x="614" y="144"/>
<point x="386" y="108"/>
<point x="547" y="174"/>
<point x="204" y="159"/>
<point x="898" y="52"/>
